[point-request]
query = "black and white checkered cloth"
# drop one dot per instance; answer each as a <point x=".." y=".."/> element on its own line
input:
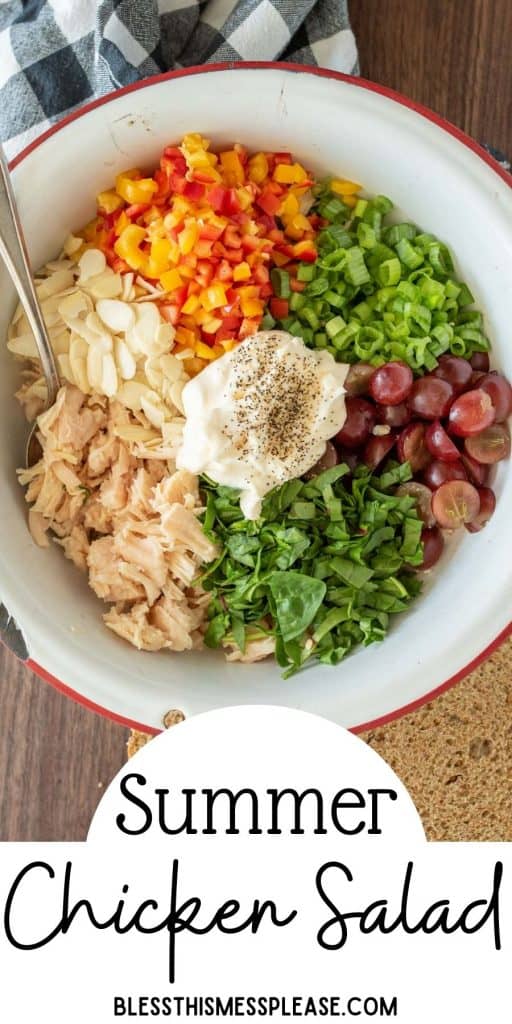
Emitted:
<point x="57" y="54"/>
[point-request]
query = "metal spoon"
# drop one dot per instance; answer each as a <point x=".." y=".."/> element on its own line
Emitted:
<point x="14" y="253"/>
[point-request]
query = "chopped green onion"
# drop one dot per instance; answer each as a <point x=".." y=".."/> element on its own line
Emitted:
<point x="280" y="280"/>
<point x="335" y="325"/>
<point x="389" y="272"/>
<point x="306" y="272"/>
<point x="356" y="269"/>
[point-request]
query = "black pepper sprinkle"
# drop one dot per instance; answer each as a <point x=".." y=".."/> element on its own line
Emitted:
<point x="287" y="389"/>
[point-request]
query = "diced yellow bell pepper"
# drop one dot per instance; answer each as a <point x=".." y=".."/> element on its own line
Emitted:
<point x="153" y="215"/>
<point x="108" y="201"/>
<point x="345" y="188"/>
<point x="229" y="344"/>
<point x="289" y="174"/>
<point x="297" y="226"/>
<point x="187" y="272"/>
<point x="232" y="168"/>
<point x="138" y="190"/>
<point x="122" y="222"/>
<point x="279" y="258"/>
<point x="244" y="198"/>
<point x="258" y="168"/>
<point x="194" y="141"/>
<point x="350" y="201"/>
<point x="170" y="280"/>
<point x="212" y="325"/>
<point x="127" y="246"/>
<point x="213" y="297"/>
<point x="204" y="351"/>
<point x="251" y="307"/>
<point x="289" y="207"/>
<point x="187" y="238"/>
<point x="249" y="291"/>
<point x="191" y="305"/>
<point x="241" y="272"/>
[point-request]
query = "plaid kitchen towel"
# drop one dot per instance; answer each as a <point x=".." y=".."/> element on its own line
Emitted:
<point x="57" y="54"/>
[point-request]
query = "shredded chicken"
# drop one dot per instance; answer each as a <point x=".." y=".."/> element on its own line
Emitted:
<point x="129" y="522"/>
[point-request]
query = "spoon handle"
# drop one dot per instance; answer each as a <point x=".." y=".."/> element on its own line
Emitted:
<point x="13" y="250"/>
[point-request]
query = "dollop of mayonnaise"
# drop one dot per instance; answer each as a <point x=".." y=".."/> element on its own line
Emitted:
<point x="261" y="415"/>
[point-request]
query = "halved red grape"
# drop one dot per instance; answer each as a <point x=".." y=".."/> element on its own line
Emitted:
<point x="439" y="444"/>
<point x="391" y="383"/>
<point x="480" y="361"/>
<point x="412" y="448"/>
<point x="455" y="503"/>
<point x="441" y="472"/>
<point x="376" y="449"/>
<point x="360" y="421"/>
<point x="476" y="471"/>
<point x="487" y="506"/>
<point x="471" y="413"/>
<point x="394" y="415"/>
<point x="500" y="392"/>
<point x="358" y="379"/>
<point x="431" y="397"/>
<point x="433" y="544"/>
<point x="423" y="498"/>
<point x="327" y="461"/>
<point x="490" y="446"/>
<point x="455" y="370"/>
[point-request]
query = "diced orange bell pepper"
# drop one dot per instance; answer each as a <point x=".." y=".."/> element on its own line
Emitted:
<point x="212" y="325"/>
<point x="204" y="351"/>
<point x="122" y="222"/>
<point x="191" y="305"/>
<point x="127" y="246"/>
<point x="297" y="226"/>
<point x="186" y="337"/>
<point x="232" y="168"/>
<point x="251" y="307"/>
<point x="289" y="207"/>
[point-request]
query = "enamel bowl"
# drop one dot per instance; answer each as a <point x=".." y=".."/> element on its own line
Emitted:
<point x="438" y="178"/>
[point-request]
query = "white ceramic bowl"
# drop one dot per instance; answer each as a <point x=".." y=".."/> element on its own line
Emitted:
<point x="438" y="178"/>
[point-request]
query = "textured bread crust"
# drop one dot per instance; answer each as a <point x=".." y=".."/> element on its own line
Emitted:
<point x="453" y="755"/>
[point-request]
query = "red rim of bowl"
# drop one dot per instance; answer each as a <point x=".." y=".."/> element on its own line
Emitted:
<point x="359" y="83"/>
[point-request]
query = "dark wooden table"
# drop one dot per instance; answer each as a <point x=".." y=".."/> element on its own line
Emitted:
<point x="452" y="55"/>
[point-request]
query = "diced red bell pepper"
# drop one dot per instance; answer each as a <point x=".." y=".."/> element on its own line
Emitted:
<point x="279" y="308"/>
<point x="297" y="286"/>
<point x="268" y="202"/>
<point x="249" y="326"/>
<point x="179" y="295"/>
<point x="204" y="176"/>
<point x="136" y="210"/>
<point x="210" y="231"/>
<point x="178" y="183"/>
<point x="118" y="265"/>
<point x="215" y="197"/>
<point x="232" y="239"/>
<point x="250" y="243"/>
<point x="205" y="272"/>
<point x="231" y="203"/>
<point x="225" y="271"/>
<point x="283" y="158"/>
<point x="194" y="190"/>
<point x="231" y="323"/>
<point x="266" y="291"/>
<point x="261" y="274"/>
<point x="173" y="156"/>
<point x="203" y="248"/>
<point x="223" y="334"/>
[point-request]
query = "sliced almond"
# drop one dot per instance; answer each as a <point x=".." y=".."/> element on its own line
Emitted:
<point x="72" y="244"/>
<point x="124" y="359"/>
<point x="154" y="410"/>
<point x="74" y="304"/>
<point x="109" y="381"/>
<point x="57" y="282"/>
<point x="95" y="367"/>
<point x="106" y="286"/>
<point x="116" y="314"/>
<point x="91" y="263"/>
<point x="65" y="369"/>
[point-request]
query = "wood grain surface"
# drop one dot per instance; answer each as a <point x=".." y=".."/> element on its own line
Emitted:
<point x="55" y="757"/>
